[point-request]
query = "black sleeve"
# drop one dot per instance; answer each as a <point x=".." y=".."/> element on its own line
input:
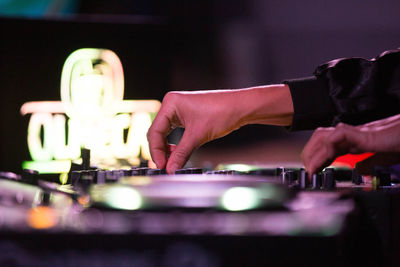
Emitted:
<point x="352" y="90"/>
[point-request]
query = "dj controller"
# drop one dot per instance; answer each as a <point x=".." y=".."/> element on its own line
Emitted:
<point x="141" y="216"/>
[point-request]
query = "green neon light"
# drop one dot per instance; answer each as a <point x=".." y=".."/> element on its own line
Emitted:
<point x="59" y="166"/>
<point x="92" y="79"/>
<point x="92" y="89"/>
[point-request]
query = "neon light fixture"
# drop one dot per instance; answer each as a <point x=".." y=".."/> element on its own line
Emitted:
<point x="91" y="114"/>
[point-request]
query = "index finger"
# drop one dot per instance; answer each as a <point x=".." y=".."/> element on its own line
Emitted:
<point x="314" y="146"/>
<point x="157" y="137"/>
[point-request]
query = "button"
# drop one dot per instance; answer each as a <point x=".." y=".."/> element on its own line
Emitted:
<point x="356" y="178"/>
<point x="316" y="181"/>
<point x="303" y="179"/>
<point x="328" y="179"/>
<point x="288" y="177"/>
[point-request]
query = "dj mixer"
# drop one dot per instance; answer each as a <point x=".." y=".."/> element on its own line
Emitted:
<point x="144" y="217"/>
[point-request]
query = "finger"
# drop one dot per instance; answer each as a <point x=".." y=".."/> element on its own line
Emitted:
<point x="157" y="137"/>
<point x="338" y="142"/>
<point x="348" y="139"/>
<point x="314" y="145"/>
<point x="324" y="146"/>
<point x="318" y="160"/>
<point x="182" y="152"/>
<point x="342" y="140"/>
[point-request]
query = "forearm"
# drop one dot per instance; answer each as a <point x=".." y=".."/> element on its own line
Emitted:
<point x="270" y="104"/>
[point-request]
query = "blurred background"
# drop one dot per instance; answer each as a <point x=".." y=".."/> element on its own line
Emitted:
<point x="185" y="45"/>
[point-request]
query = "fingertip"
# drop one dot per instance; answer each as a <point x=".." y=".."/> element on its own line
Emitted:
<point x="172" y="167"/>
<point x="160" y="161"/>
<point x="180" y="154"/>
<point x="309" y="171"/>
<point x="309" y="175"/>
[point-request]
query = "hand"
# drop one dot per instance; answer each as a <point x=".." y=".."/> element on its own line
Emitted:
<point x="207" y="115"/>
<point x="328" y="143"/>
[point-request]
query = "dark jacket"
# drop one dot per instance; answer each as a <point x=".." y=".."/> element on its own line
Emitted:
<point x="349" y="90"/>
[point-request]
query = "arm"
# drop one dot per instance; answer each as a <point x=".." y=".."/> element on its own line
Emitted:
<point x="352" y="91"/>
<point x="207" y="115"/>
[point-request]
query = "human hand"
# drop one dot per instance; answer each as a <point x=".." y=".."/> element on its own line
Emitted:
<point x="328" y="143"/>
<point x="207" y="115"/>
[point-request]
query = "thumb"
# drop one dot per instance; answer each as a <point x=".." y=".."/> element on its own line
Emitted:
<point x="181" y="154"/>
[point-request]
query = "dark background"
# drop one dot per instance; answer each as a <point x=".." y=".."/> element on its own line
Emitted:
<point x="185" y="45"/>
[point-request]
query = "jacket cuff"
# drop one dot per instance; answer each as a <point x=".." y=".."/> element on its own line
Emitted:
<point x="311" y="102"/>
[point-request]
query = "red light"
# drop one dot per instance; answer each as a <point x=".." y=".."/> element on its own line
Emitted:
<point x="350" y="160"/>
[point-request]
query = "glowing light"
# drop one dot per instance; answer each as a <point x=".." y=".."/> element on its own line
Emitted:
<point x="238" y="167"/>
<point x="41" y="218"/>
<point x="124" y="198"/>
<point x="240" y="198"/>
<point x="96" y="75"/>
<point x="350" y="160"/>
<point x="83" y="200"/>
<point x="39" y="150"/>
<point x="58" y="166"/>
<point x="63" y="178"/>
<point x="95" y="115"/>
<point x="117" y="197"/>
